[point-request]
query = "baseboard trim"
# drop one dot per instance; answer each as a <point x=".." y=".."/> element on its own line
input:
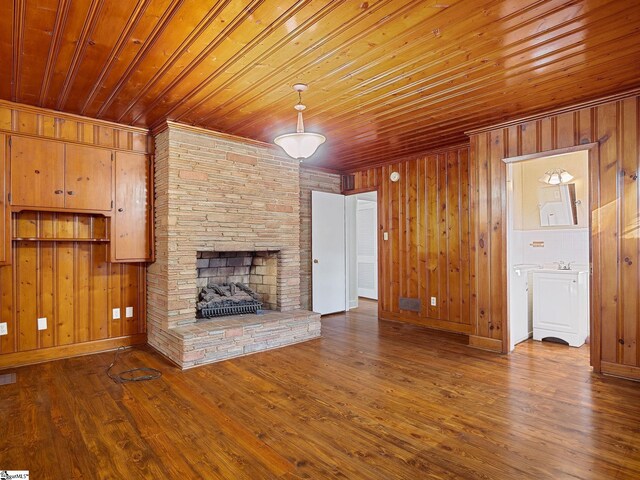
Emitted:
<point x="19" y="359"/>
<point x="484" y="343"/>
<point x="435" y="324"/>
<point x="617" y="370"/>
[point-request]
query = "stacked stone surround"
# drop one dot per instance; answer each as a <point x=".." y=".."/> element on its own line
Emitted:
<point x="310" y="180"/>
<point x="216" y="193"/>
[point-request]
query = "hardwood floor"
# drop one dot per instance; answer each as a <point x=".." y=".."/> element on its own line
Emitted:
<point x="368" y="400"/>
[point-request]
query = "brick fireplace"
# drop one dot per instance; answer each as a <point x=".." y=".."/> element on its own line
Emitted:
<point x="215" y="195"/>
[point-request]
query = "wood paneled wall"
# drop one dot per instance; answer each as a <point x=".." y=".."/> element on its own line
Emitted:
<point x="60" y="265"/>
<point x="427" y="216"/>
<point x="447" y="222"/>
<point x="70" y="282"/>
<point x="615" y="246"/>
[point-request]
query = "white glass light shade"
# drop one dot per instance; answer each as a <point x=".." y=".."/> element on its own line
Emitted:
<point x="545" y="178"/>
<point x="556" y="177"/>
<point x="565" y="176"/>
<point x="301" y="144"/>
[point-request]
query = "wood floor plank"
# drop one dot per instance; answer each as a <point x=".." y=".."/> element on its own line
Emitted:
<point x="370" y="399"/>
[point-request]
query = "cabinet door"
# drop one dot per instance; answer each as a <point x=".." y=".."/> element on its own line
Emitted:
<point x="37" y="173"/>
<point x="130" y="240"/>
<point x="5" y="216"/>
<point x="87" y="178"/>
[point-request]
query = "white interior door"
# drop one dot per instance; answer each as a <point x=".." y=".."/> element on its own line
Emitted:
<point x="329" y="285"/>
<point x="367" y="249"/>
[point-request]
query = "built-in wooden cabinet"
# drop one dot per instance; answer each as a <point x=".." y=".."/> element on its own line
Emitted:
<point x="48" y="174"/>
<point x="87" y="178"/>
<point x="5" y="216"/>
<point x="131" y="236"/>
<point x="37" y="173"/>
<point x="59" y="176"/>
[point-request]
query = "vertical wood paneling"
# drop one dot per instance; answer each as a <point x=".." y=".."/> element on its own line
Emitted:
<point x="68" y="283"/>
<point x="615" y="203"/>
<point x="606" y="132"/>
<point x="427" y="215"/>
<point x="5" y="241"/>
<point x="629" y="244"/>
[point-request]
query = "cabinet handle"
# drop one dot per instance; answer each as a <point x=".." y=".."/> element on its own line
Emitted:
<point x="58" y="192"/>
<point x="121" y="209"/>
<point x="71" y="192"/>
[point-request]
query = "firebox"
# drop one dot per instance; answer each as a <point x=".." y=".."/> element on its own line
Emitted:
<point x="231" y="283"/>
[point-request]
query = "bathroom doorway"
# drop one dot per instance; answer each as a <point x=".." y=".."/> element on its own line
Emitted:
<point x="548" y="251"/>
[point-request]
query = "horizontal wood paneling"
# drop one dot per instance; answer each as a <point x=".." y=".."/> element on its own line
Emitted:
<point x="70" y="282"/>
<point x="388" y="78"/>
<point x="615" y="200"/>
<point x="427" y="216"/>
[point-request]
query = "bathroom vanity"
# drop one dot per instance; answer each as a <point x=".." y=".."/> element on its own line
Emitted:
<point x="561" y="305"/>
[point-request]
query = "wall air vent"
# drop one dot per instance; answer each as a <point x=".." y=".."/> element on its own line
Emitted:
<point x="411" y="304"/>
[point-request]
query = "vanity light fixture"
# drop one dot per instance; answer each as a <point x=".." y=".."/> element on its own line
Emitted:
<point x="300" y="144"/>
<point x="556" y="176"/>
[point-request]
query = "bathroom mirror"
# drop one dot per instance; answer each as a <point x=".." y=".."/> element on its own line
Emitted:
<point x="557" y="205"/>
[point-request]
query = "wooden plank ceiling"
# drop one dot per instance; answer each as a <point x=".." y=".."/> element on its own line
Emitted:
<point x="388" y="78"/>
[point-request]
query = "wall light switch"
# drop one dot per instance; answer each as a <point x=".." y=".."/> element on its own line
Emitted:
<point x="42" y="323"/>
<point x="433" y="301"/>
<point x="116" y="313"/>
<point x="128" y="312"/>
<point x="3" y="328"/>
<point x="385" y="236"/>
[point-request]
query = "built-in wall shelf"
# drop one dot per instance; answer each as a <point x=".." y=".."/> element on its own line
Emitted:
<point x="43" y="239"/>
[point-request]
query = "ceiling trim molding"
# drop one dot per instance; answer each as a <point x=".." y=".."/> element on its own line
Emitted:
<point x="557" y="111"/>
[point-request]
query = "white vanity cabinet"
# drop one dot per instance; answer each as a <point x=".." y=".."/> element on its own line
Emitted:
<point x="561" y="305"/>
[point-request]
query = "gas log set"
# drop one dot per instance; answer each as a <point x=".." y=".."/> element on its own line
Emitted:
<point x="227" y="299"/>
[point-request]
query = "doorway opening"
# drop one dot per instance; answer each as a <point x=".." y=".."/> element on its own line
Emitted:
<point x="362" y="248"/>
<point x="548" y="253"/>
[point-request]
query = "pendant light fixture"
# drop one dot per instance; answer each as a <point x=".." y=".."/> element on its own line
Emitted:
<point x="301" y="144"/>
<point x="556" y="176"/>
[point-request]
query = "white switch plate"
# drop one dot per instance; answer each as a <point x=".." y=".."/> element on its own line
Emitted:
<point x="116" y="313"/>
<point x="3" y="328"/>
<point x="433" y="301"/>
<point x="385" y="236"/>
<point x="42" y="323"/>
<point x="128" y="312"/>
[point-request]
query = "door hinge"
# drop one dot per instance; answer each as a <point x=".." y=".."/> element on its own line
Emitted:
<point x="112" y="156"/>
<point x="9" y="197"/>
<point x="111" y="203"/>
<point x="9" y="141"/>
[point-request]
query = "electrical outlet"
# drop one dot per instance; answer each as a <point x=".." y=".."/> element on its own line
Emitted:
<point x="3" y="328"/>
<point x="42" y="323"/>
<point x="116" y="314"/>
<point x="128" y="312"/>
<point x="433" y="301"/>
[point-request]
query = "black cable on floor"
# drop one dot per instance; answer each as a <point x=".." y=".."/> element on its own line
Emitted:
<point x="140" y="374"/>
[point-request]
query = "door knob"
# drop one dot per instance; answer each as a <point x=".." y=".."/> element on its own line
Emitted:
<point x="315" y="260"/>
<point x="58" y="192"/>
<point x="121" y="209"/>
<point x="71" y="192"/>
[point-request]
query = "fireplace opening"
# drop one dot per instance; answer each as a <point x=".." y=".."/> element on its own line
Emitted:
<point x="234" y="283"/>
